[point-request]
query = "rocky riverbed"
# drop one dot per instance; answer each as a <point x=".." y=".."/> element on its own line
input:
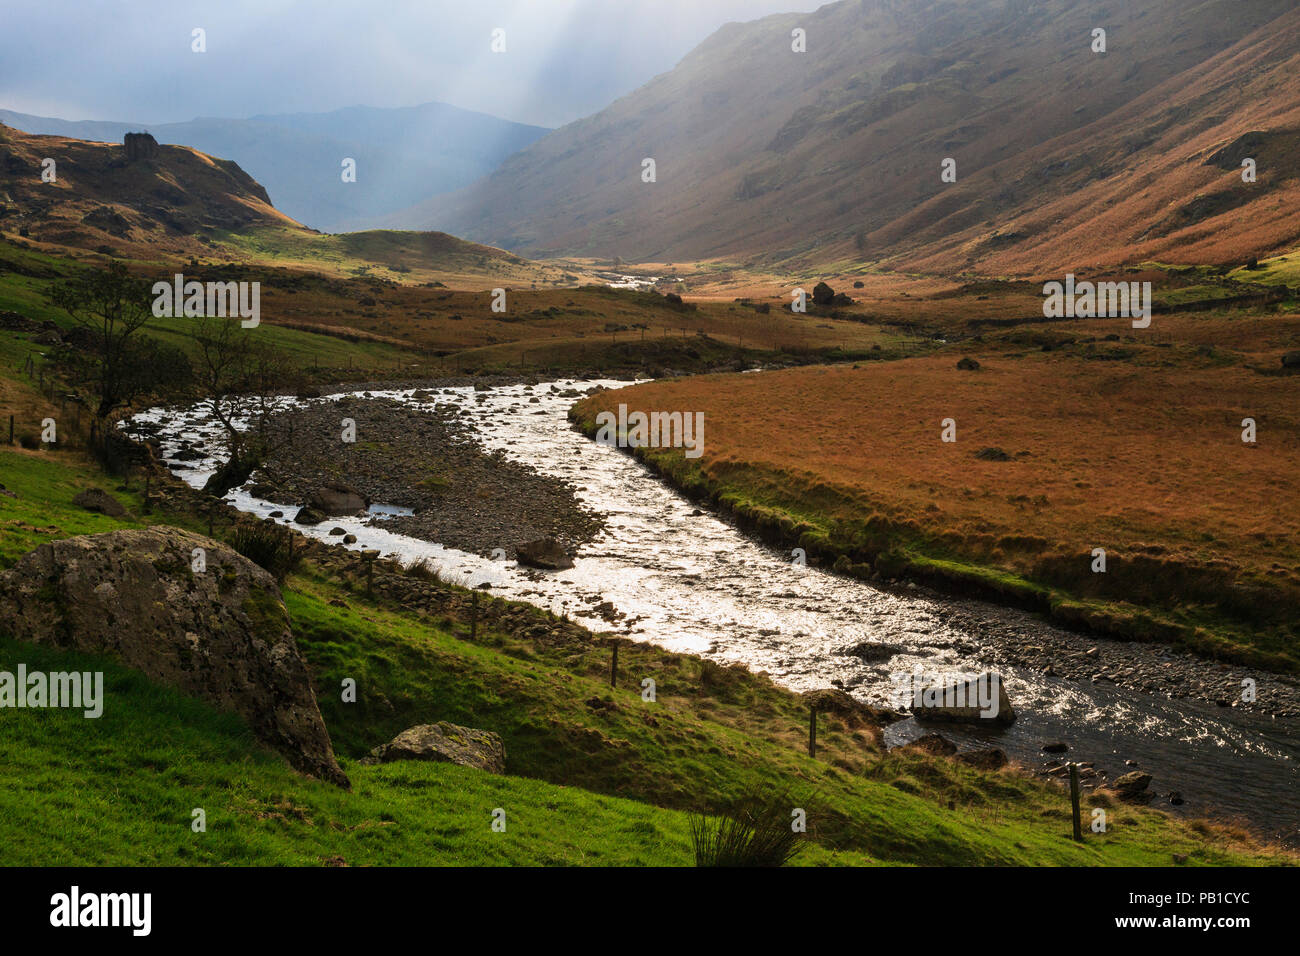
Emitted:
<point x="1015" y="638"/>
<point x="419" y="459"/>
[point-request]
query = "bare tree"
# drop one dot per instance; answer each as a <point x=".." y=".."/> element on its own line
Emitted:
<point x="112" y="305"/>
<point x="240" y="374"/>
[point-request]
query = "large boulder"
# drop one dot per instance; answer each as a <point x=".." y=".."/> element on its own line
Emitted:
<point x="546" y="553"/>
<point x="823" y="294"/>
<point x="980" y="700"/>
<point x="336" y="499"/>
<point x="449" y="743"/>
<point x="221" y="634"/>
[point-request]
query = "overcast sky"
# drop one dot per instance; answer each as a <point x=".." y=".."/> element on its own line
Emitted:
<point x="131" y="60"/>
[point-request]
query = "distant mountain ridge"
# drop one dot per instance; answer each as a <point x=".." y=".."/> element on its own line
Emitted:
<point x="1064" y="156"/>
<point x="403" y="155"/>
<point x="149" y="202"/>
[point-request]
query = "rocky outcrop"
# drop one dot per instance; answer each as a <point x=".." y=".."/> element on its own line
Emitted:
<point x="140" y="146"/>
<point x="449" y="743"/>
<point x="220" y="633"/>
<point x="309" y="516"/>
<point x="546" y="553"/>
<point x="934" y="744"/>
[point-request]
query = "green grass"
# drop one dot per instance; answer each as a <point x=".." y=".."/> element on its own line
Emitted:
<point x="27" y="294"/>
<point x="45" y="484"/>
<point x="121" y="790"/>
<point x="595" y="775"/>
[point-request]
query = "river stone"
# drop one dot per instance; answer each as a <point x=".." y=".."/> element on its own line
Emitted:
<point x="450" y="743"/>
<point x="546" y="553"/>
<point x="222" y="634"/>
<point x="872" y="652"/>
<point x="961" y="701"/>
<point x="309" y="516"/>
<point x="93" y="499"/>
<point x="1132" y="786"/>
<point x="337" y="498"/>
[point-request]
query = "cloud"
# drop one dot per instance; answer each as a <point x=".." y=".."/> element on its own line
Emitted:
<point x="131" y="60"/>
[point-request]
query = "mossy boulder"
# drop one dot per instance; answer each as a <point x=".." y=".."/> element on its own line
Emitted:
<point x="186" y="611"/>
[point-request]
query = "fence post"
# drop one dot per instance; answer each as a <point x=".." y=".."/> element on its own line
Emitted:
<point x="1074" y="801"/>
<point x="473" y="615"/>
<point x="613" y="666"/>
<point x="812" y="731"/>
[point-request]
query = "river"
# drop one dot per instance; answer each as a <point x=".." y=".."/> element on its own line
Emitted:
<point x="692" y="583"/>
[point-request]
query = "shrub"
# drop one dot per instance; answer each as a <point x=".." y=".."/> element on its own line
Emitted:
<point x="268" y="546"/>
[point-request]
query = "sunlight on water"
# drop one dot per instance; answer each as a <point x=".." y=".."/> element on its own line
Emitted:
<point x="691" y="583"/>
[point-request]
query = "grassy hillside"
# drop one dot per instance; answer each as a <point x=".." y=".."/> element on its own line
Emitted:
<point x="336" y="322"/>
<point x="182" y="206"/>
<point x="596" y="775"/>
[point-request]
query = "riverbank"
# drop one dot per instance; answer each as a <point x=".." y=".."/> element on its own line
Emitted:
<point x="845" y="463"/>
<point x="711" y="735"/>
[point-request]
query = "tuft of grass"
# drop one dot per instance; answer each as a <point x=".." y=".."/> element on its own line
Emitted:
<point x="757" y="832"/>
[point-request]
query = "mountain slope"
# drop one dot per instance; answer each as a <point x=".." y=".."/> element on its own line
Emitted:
<point x="167" y="201"/>
<point x="836" y="152"/>
<point x="177" y="203"/>
<point x="403" y="155"/>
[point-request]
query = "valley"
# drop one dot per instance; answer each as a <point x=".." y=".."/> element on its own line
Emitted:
<point x="564" y="515"/>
